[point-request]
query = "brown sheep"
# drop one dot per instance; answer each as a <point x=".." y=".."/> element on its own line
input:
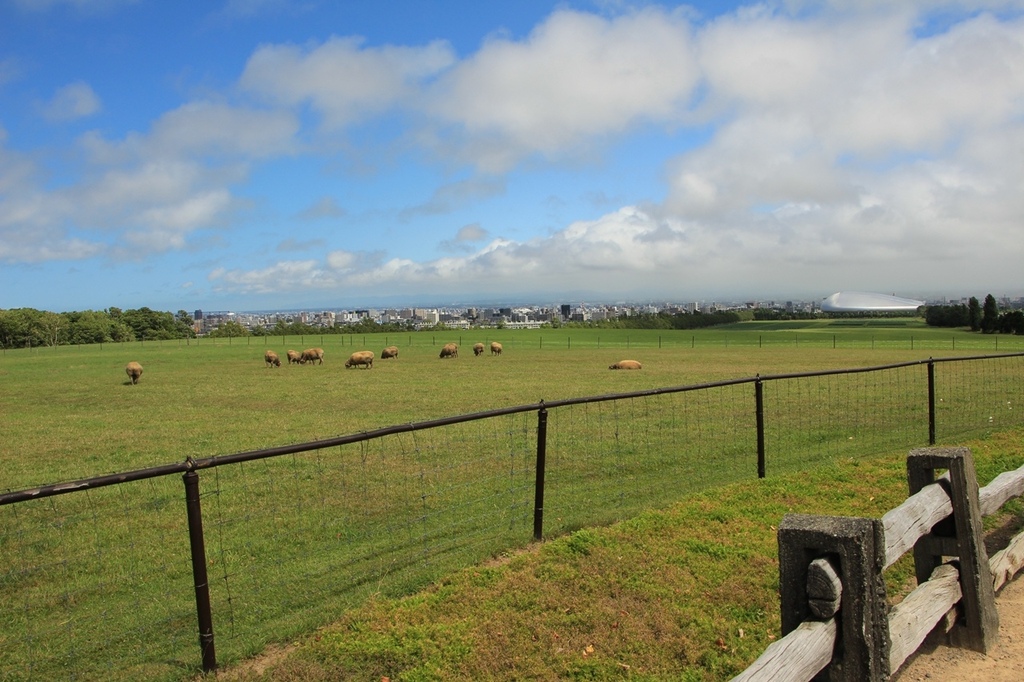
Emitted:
<point x="626" y="364"/>
<point x="312" y="355"/>
<point x="360" y="357"/>
<point x="272" y="359"/>
<point x="450" y="350"/>
<point x="495" y="348"/>
<point x="294" y="356"/>
<point x="478" y="348"/>
<point x="389" y="352"/>
<point x="134" y="371"/>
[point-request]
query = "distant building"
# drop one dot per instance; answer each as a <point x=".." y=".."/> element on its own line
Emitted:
<point x="863" y="302"/>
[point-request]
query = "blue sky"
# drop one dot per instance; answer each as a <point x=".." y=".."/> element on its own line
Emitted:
<point x="263" y="154"/>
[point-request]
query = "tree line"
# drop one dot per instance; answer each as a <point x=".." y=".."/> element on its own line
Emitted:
<point x="978" y="317"/>
<point x="662" y="320"/>
<point x="28" y="327"/>
<point x="282" y="328"/>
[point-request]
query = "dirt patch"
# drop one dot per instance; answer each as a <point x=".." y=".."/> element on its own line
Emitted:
<point x="1003" y="664"/>
<point x="257" y="665"/>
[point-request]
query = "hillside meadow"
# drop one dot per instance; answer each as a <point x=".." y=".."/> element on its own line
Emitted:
<point x="386" y="509"/>
<point x="686" y="593"/>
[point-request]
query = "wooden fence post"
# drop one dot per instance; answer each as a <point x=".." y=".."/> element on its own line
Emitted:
<point x="959" y="535"/>
<point x="855" y="548"/>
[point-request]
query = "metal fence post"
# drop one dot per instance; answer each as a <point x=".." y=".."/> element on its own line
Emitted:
<point x="759" y="411"/>
<point x="931" y="402"/>
<point x="538" y="495"/>
<point x="199" y="576"/>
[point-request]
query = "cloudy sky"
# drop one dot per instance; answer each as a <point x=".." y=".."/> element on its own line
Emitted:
<point x="262" y="154"/>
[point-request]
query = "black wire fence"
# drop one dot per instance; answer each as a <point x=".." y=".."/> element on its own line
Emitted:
<point x="163" y="572"/>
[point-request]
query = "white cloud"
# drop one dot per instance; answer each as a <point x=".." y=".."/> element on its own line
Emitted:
<point x="626" y="248"/>
<point x="153" y="190"/>
<point x="341" y="260"/>
<point x="32" y="222"/>
<point x="837" y="141"/>
<point x="465" y="238"/>
<point x="166" y="227"/>
<point x="918" y="6"/>
<point x="324" y="207"/>
<point x="207" y="130"/>
<point x="297" y="276"/>
<point x="10" y="70"/>
<point x="451" y="196"/>
<point x="255" y="8"/>
<point x="292" y="244"/>
<point x="340" y="79"/>
<point x="73" y="101"/>
<point x="471" y="233"/>
<point x="81" y="5"/>
<point x="577" y="77"/>
<point x="843" y="143"/>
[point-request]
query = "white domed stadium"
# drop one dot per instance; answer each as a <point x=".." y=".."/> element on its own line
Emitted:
<point x="863" y="302"/>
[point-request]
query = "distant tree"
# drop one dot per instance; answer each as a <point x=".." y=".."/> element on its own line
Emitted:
<point x="89" y="326"/>
<point x="283" y="328"/>
<point x="152" y="324"/>
<point x="974" y="314"/>
<point x="14" y="327"/>
<point x="990" y="315"/>
<point x="956" y="315"/>
<point x="28" y="327"/>
<point x="230" y="328"/>
<point x="186" y="324"/>
<point x="50" y="327"/>
<point x="1012" y="322"/>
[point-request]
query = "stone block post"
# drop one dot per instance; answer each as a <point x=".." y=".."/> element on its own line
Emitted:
<point x="855" y="548"/>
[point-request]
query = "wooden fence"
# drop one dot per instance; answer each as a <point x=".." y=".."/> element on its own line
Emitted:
<point x="835" y="615"/>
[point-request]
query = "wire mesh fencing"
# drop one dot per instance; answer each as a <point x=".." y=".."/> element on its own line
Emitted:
<point x="97" y="585"/>
<point x="98" y="579"/>
<point x="815" y="418"/>
<point x="609" y="460"/>
<point x="296" y="540"/>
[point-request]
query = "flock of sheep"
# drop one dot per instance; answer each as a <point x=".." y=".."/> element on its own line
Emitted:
<point x="364" y="358"/>
<point x="309" y="355"/>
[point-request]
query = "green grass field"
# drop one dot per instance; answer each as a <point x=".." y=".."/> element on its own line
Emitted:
<point x="71" y="409"/>
<point x="99" y="584"/>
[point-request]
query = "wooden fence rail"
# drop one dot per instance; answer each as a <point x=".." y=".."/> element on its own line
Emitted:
<point x="861" y="638"/>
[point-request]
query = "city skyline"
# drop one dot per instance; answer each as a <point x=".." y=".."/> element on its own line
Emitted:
<point x="259" y="154"/>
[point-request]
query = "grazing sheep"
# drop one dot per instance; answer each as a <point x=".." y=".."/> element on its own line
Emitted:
<point x="625" y="364"/>
<point x="389" y="352"/>
<point x="478" y="348"/>
<point x="294" y="356"/>
<point x="312" y="355"/>
<point x="450" y="350"/>
<point x="360" y="357"/>
<point x="134" y="371"/>
<point x="495" y="348"/>
<point x="272" y="359"/>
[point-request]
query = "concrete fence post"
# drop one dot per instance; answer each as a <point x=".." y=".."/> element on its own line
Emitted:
<point x="855" y="547"/>
<point x="960" y="536"/>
